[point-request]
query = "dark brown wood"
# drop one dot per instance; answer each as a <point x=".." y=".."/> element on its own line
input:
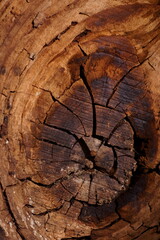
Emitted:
<point x="79" y="120"/>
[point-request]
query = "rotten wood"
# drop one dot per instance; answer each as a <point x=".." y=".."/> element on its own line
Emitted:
<point x="79" y="120"/>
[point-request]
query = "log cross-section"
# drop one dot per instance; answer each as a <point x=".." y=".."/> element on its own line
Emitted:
<point x="79" y="120"/>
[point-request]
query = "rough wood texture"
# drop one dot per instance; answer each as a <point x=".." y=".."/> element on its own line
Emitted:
<point x="79" y="120"/>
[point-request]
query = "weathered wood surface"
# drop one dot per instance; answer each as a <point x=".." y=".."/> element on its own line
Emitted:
<point x="79" y="120"/>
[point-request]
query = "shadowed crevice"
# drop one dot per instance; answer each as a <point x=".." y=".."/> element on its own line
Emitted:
<point x="115" y="163"/>
<point x="83" y="77"/>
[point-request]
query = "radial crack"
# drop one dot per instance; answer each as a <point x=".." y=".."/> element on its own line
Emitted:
<point x="115" y="164"/>
<point x="71" y="203"/>
<point x="91" y="179"/>
<point x="85" y="148"/>
<point x="84" y="53"/>
<point x="125" y="75"/>
<point x="83" y="77"/>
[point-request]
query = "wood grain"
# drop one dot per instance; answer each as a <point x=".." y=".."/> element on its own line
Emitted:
<point x="79" y="120"/>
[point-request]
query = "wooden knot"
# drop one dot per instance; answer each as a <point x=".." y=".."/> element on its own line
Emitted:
<point x="87" y="149"/>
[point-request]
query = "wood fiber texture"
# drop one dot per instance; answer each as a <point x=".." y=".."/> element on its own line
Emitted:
<point x="79" y="120"/>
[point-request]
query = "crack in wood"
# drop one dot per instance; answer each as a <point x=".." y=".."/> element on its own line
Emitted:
<point x="83" y="77"/>
<point x="83" y="52"/>
<point x="47" y="211"/>
<point x="60" y="180"/>
<point x="10" y="211"/>
<point x="82" y="13"/>
<point x="119" y="124"/>
<point x="73" y="23"/>
<point x="124" y="76"/>
<point x="115" y="163"/>
<point x="52" y="142"/>
<point x="81" y="35"/>
<point x="62" y="104"/>
<point x="149" y="228"/>
<point x="123" y="41"/>
<point x="63" y="130"/>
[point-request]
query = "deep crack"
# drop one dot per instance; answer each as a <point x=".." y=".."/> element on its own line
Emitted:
<point x="83" y="77"/>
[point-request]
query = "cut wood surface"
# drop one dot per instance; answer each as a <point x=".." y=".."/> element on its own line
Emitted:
<point x="79" y="120"/>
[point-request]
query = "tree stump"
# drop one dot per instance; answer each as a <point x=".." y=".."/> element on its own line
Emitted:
<point x="79" y="123"/>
